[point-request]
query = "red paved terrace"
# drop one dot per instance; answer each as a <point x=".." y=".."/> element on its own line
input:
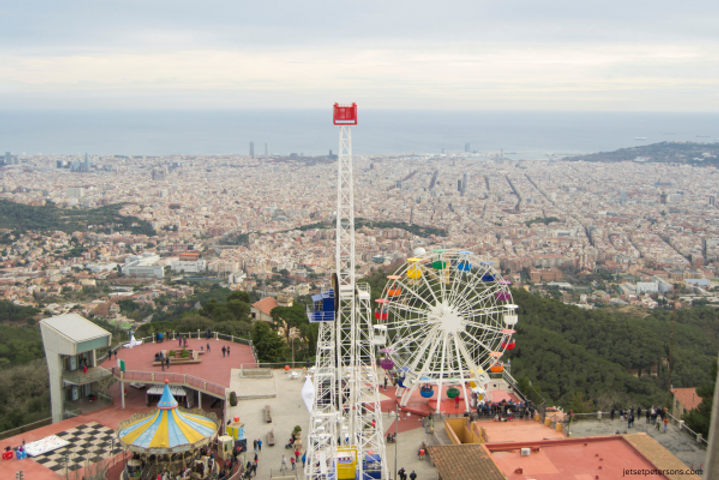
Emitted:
<point x="214" y="367"/>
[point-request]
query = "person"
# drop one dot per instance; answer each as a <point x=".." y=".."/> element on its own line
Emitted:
<point x="292" y="462"/>
<point x="84" y="369"/>
<point x="283" y="463"/>
<point x="254" y="444"/>
<point x="297" y="454"/>
<point x="228" y="351"/>
<point x="259" y="445"/>
<point x="639" y="412"/>
<point x="208" y="348"/>
<point x="185" y="343"/>
<point x="402" y="474"/>
<point x="413" y="476"/>
<point x="630" y="422"/>
<point x="167" y="361"/>
<point x="162" y="363"/>
<point x="179" y="341"/>
<point x="666" y="424"/>
<point x="304" y="459"/>
<point x="255" y="456"/>
<point x="456" y="401"/>
<point x="611" y="414"/>
<point x="224" y="350"/>
<point x="254" y="469"/>
<point x="385" y="382"/>
<point x="647" y="415"/>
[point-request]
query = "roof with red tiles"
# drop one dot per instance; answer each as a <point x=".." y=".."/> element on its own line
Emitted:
<point x="464" y="462"/>
<point x="687" y="397"/>
<point x="266" y="305"/>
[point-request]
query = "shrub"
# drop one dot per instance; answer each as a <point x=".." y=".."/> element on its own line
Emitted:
<point x="184" y="353"/>
<point x="233" y="399"/>
<point x="172" y="353"/>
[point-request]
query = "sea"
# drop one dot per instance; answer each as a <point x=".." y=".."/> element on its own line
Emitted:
<point x="520" y="135"/>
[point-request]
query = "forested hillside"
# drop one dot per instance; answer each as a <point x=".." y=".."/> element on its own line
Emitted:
<point x="18" y="216"/>
<point x="574" y="354"/>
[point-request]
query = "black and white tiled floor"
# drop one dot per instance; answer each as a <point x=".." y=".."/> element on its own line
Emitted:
<point x="89" y="443"/>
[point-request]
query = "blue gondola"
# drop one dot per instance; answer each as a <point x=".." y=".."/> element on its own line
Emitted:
<point x="426" y="392"/>
<point x="487" y="277"/>
<point x="322" y="308"/>
<point x="464" y="266"/>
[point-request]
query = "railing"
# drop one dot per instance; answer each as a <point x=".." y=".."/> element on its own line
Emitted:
<point x="278" y="365"/>
<point x="69" y="413"/>
<point x="75" y="376"/>
<point x="104" y="398"/>
<point x="175" y="378"/>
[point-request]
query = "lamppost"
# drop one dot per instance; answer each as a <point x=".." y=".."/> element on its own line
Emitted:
<point x="396" y="431"/>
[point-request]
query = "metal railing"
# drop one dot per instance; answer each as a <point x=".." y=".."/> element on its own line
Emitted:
<point x="79" y="378"/>
<point x="174" y="378"/>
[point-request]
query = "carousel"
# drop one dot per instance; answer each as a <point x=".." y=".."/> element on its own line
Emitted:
<point x="170" y="439"/>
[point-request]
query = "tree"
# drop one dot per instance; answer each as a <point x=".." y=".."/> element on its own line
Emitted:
<point x="270" y="347"/>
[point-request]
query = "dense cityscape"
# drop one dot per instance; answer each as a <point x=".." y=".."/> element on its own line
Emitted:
<point x="642" y="227"/>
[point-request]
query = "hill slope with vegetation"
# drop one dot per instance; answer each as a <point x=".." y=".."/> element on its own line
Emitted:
<point x="18" y="216"/>
<point x="664" y="152"/>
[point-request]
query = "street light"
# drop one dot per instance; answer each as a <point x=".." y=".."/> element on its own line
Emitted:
<point x="396" y="431"/>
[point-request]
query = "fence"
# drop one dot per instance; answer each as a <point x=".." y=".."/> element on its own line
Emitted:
<point x="175" y="378"/>
<point x="32" y="426"/>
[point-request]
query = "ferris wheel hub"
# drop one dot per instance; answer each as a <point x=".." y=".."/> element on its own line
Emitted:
<point x="447" y="317"/>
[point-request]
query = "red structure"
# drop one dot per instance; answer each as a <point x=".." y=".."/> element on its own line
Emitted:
<point x="344" y="114"/>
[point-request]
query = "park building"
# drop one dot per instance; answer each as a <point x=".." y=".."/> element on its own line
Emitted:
<point x="70" y="343"/>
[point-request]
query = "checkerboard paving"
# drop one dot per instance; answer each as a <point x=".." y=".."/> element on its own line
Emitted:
<point x="89" y="443"/>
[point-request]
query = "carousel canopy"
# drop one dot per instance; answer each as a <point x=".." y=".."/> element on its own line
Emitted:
<point x="167" y="428"/>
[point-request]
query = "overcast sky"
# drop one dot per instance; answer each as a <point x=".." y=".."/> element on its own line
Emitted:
<point x="474" y="54"/>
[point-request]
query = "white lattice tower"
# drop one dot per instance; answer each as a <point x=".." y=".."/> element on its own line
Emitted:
<point x="349" y="377"/>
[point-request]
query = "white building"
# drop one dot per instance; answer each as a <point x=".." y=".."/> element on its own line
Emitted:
<point x="143" y="265"/>
<point x="647" y="287"/>
<point x="70" y="342"/>
<point x="196" y="266"/>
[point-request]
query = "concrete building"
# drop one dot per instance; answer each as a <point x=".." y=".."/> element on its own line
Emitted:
<point x="70" y="342"/>
<point x="191" y="266"/>
<point x="144" y="265"/>
<point x="646" y="287"/>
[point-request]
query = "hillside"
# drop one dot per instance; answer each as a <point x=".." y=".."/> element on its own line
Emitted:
<point x="18" y="216"/>
<point x="664" y="152"/>
<point x="568" y="351"/>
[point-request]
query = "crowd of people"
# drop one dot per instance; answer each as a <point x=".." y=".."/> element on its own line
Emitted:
<point x="654" y="415"/>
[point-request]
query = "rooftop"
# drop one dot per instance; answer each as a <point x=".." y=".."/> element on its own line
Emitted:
<point x="266" y="305"/>
<point x="687" y="397"/>
<point x="75" y="327"/>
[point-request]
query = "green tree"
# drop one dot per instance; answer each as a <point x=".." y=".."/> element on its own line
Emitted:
<point x="270" y="347"/>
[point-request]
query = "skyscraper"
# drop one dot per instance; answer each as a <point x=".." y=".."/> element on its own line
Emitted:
<point x="252" y="149"/>
<point x="8" y="158"/>
<point x="267" y="149"/>
<point x="86" y="166"/>
<point x="622" y="196"/>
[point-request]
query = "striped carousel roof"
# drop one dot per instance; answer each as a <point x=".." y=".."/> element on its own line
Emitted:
<point x="168" y="427"/>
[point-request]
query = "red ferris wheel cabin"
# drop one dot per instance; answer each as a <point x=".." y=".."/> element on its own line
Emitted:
<point x="345" y="114"/>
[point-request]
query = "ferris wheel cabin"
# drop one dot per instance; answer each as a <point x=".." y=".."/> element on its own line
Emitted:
<point x="322" y="308"/>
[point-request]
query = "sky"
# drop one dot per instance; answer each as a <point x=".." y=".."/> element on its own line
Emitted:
<point x="576" y="55"/>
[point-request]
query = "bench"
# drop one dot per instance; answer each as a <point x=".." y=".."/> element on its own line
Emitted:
<point x="271" y="438"/>
<point x="268" y="414"/>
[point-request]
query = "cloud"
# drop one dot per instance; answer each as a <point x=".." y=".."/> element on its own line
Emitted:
<point x="474" y="55"/>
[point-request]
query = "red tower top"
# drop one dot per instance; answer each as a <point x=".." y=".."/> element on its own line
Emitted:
<point x="344" y="114"/>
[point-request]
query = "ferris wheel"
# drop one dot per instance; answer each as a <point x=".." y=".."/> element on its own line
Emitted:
<point x="449" y="317"/>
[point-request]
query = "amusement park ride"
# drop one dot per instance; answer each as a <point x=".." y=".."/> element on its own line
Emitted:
<point x="444" y="320"/>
